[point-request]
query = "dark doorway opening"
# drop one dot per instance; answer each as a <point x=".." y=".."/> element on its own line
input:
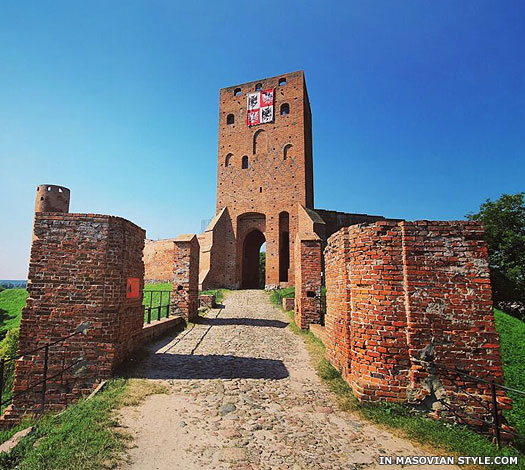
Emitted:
<point x="250" y="260"/>
<point x="284" y="246"/>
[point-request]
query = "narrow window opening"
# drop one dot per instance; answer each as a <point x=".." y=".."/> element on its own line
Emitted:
<point x="282" y="81"/>
<point x="237" y="92"/>
<point x="258" y="87"/>
<point x="245" y="162"/>
<point x="285" y="109"/>
<point x="230" y="119"/>
<point x="260" y="189"/>
<point x="286" y="153"/>
<point x="227" y="159"/>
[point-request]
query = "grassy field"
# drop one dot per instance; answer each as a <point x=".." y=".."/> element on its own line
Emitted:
<point x="154" y="298"/>
<point x="12" y="302"/>
<point x="512" y="334"/>
<point x="85" y="437"/>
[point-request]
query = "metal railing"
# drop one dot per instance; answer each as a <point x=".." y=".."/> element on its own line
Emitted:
<point x="495" y="426"/>
<point x="82" y="328"/>
<point x="156" y="300"/>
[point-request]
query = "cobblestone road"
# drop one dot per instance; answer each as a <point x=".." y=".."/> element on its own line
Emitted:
<point x="244" y="396"/>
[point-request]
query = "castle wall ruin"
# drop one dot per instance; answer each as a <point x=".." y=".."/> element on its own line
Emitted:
<point x="406" y="302"/>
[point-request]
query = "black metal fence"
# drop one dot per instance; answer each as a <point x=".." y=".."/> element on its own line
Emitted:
<point x="7" y="369"/>
<point x="494" y="426"/>
<point x="157" y="304"/>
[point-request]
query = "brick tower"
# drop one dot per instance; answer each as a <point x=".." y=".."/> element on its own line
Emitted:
<point x="264" y="170"/>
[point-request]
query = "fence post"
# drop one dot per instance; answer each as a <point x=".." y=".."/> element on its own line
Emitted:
<point x="160" y="307"/>
<point x="44" y="378"/>
<point x="495" y="415"/>
<point x="2" y="366"/>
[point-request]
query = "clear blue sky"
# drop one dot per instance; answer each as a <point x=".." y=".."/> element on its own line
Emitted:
<point x="418" y="106"/>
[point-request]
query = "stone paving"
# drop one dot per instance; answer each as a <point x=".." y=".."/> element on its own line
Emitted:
<point x="244" y="396"/>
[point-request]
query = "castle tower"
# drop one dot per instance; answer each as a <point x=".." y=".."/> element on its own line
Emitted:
<point x="264" y="170"/>
<point x="51" y="198"/>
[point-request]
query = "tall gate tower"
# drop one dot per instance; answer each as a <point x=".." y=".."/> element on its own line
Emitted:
<point x="264" y="170"/>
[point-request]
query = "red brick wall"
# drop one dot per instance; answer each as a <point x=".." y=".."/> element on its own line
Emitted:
<point x="307" y="281"/>
<point x="78" y="271"/>
<point x="185" y="293"/>
<point x="158" y="260"/>
<point x="403" y="297"/>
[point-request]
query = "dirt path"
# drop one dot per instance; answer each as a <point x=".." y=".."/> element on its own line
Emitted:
<point x="244" y="396"/>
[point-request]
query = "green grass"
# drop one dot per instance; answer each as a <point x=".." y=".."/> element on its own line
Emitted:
<point x="12" y="301"/>
<point x="512" y="337"/>
<point x="152" y="297"/>
<point x="435" y="436"/>
<point x="85" y="437"/>
<point x="218" y="293"/>
<point x="277" y="295"/>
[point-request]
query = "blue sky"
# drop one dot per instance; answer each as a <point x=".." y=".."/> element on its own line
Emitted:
<point x="418" y="106"/>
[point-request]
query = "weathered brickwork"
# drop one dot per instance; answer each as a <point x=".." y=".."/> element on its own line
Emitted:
<point x="207" y="301"/>
<point x="51" y="198"/>
<point x="158" y="260"/>
<point x="288" y="303"/>
<point x="404" y="299"/>
<point x="78" y="272"/>
<point x="185" y="293"/>
<point x="307" y="281"/>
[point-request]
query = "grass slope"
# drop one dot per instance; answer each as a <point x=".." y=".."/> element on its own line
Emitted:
<point x="512" y="338"/>
<point x="12" y="301"/>
<point x="85" y="437"/>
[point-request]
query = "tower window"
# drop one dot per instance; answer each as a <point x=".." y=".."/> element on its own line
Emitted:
<point x="287" y="149"/>
<point x="257" y="141"/>
<point x="227" y="159"/>
<point x="245" y="162"/>
<point x="285" y="109"/>
<point x="258" y="87"/>
<point x="230" y="119"/>
<point x="282" y="81"/>
<point x="237" y="92"/>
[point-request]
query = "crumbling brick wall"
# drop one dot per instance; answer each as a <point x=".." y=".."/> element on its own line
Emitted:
<point x="185" y="293"/>
<point x="307" y="252"/>
<point x="79" y="270"/>
<point x="406" y="299"/>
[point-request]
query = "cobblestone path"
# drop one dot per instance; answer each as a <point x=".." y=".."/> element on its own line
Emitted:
<point x="245" y="397"/>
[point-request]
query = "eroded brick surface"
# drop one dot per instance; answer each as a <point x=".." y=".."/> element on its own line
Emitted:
<point x="78" y="272"/>
<point x="403" y="298"/>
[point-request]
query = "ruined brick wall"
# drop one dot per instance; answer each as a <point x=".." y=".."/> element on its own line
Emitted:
<point x="52" y="198"/>
<point x="450" y="320"/>
<point x="185" y="293"/>
<point x="78" y="273"/>
<point x="158" y="260"/>
<point x="403" y="298"/>
<point x="214" y="244"/>
<point x="338" y="297"/>
<point x="307" y="281"/>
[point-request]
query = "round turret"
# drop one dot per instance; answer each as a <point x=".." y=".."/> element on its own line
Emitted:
<point x="51" y="198"/>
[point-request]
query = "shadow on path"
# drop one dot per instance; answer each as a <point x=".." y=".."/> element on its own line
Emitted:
<point x="212" y="366"/>
<point x="243" y="321"/>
